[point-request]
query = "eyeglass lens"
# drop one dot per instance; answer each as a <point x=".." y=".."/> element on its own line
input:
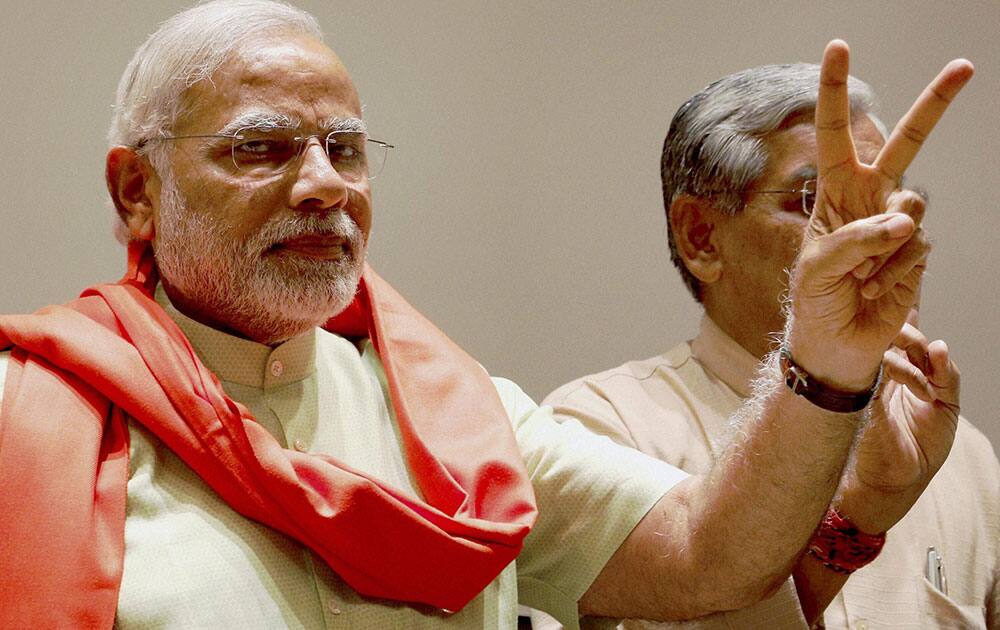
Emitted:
<point x="264" y="152"/>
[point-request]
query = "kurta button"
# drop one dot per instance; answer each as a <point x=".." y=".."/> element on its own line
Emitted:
<point x="862" y="625"/>
<point x="333" y="607"/>
<point x="300" y="446"/>
<point x="277" y="367"/>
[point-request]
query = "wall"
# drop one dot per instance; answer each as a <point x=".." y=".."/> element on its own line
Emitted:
<point x="521" y="210"/>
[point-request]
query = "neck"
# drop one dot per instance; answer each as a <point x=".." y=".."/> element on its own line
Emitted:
<point x="746" y="329"/>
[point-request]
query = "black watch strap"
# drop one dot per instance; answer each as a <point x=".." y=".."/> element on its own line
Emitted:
<point x="799" y="381"/>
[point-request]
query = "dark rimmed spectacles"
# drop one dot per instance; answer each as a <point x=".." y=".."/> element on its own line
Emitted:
<point x="262" y="152"/>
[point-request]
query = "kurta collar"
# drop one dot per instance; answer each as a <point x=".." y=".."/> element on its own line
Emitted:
<point x="724" y="357"/>
<point x="243" y="361"/>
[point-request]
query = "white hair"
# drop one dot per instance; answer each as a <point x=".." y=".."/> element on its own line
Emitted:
<point x="186" y="49"/>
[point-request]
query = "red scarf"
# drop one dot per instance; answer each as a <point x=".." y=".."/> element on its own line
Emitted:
<point x="77" y="372"/>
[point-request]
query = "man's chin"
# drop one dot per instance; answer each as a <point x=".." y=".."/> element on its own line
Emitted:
<point x="315" y="289"/>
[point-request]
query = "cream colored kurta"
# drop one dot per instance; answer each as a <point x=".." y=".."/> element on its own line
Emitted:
<point x="676" y="407"/>
<point x="192" y="562"/>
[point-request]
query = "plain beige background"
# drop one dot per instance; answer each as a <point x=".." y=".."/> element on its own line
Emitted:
<point x="521" y="210"/>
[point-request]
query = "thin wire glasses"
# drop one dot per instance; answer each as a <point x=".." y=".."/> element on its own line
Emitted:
<point x="808" y="193"/>
<point x="262" y="152"/>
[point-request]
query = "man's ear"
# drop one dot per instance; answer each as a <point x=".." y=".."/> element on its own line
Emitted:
<point x="133" y="185"/>
<point x="693" y="224"/>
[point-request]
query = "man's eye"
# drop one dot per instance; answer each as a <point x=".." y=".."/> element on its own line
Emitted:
<point x="793" y="204"/>
<point x="255" y="146"/>
<point x="344" y="153"/>
<point x="253" y="150"/>
<point x="259" y="146"/>
<point x="346" y="148"/>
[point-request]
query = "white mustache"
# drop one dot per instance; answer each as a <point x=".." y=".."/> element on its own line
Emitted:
<point x="338" y="224"/>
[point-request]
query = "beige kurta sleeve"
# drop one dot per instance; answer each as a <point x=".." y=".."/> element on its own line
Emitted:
<point x="595" y="406"/>
<point x="591" y="493"/>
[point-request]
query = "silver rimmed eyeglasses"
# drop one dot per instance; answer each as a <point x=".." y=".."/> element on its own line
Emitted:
<point x="808" y="193"/>
<point x="262" y="152"/>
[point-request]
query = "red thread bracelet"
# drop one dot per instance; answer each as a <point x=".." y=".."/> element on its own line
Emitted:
<point x="841" y="546"/>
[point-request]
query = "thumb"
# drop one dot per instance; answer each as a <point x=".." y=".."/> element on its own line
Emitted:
<point x="836" y="254"/>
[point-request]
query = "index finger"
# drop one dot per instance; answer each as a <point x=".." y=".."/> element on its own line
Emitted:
<point x="833" y="110"/>
<point x="909" y="135"/>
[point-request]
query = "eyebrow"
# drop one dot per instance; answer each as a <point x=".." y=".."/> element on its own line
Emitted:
<point x="274" y="120"/>
<point x="344" y="124"/>
<point x="259" y="120"/>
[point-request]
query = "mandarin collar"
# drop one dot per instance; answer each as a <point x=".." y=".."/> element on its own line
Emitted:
<point x="243" y="361"/>
<point x="724" y="357"/>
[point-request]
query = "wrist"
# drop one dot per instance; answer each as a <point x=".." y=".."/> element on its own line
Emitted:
<point x="821" y="393"/>
<point x="868" y="517"/>
<point x="839" y="366"/>
<point x="873" y="510"/>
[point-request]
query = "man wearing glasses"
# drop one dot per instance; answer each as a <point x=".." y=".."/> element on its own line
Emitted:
<point x="252" y="429"/>
<point x="739" y="169"/>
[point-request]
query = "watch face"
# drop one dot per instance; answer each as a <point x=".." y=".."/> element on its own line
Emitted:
<point x="799" y="382"/>
<point x="795" y="377"/>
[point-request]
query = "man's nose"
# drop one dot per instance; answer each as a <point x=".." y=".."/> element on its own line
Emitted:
<point x="318" y="185"/>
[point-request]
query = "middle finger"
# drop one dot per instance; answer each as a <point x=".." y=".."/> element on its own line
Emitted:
<point x="906" y="139"/>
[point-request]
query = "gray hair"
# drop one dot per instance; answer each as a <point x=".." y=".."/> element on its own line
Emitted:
<point x="715" y="147"/>
<point x="186" y="49"/>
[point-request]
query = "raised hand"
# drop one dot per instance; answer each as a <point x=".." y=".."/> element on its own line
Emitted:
<point x="909" y="435"/>
<point x="859" y="269"/>
<point x="847" y="189"/>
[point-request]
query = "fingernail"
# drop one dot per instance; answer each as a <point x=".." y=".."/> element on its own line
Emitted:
<point x="861" y="271"/>
<point x="870" y="290"/>
<point x="898" y="225"/>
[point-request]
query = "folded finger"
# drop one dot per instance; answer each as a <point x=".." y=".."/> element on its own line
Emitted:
<point x="908" y="202"/>
<point x="847" y="247"/>
<point x="944" y="376"/>
<point x="913" y="342"/>
<point x="897" y="368"/>
<point x="909" y="134"/>
<point x="897" y="266"/>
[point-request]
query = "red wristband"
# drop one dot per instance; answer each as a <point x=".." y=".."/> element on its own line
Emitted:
<point x="841" y="547"/>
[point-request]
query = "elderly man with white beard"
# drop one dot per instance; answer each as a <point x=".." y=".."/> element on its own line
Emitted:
<point x="252" y="429"/>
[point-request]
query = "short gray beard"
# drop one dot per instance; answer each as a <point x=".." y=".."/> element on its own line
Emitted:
<point x="268" y="299"/>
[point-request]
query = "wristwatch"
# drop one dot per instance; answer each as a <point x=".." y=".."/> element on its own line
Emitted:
<point x="799" y="381"/>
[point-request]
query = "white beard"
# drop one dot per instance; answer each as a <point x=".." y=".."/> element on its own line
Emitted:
<point x="267" y="298"/>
